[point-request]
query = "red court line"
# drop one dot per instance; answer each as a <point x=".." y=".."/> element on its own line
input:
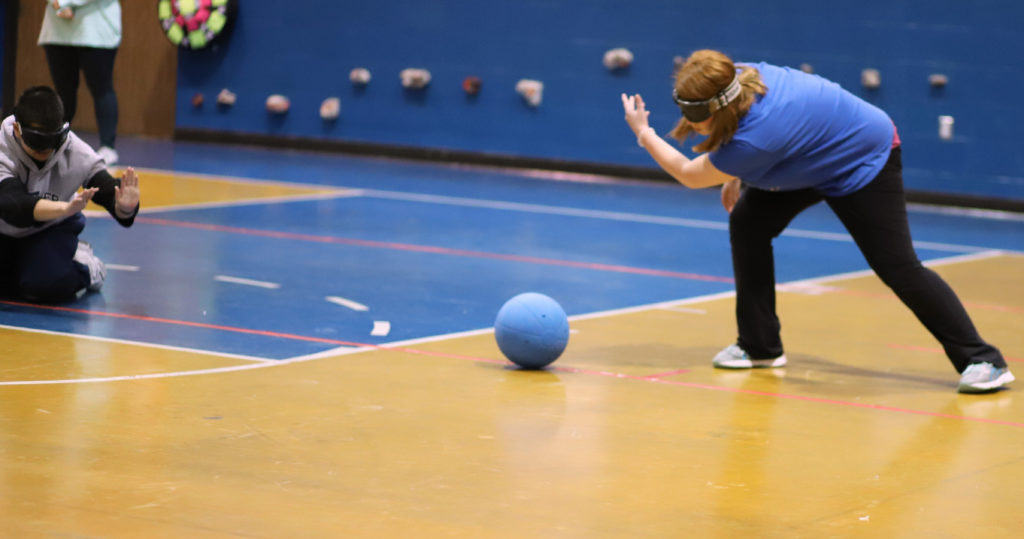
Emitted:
<point x="941" y="351"/>
<point x="655" y="378"/>
<point x="819" y="400"/>
<point x="247" y="331"/>
<point x="434" y="249"/>
<point x="185" y="323"/>
<point x="881" y="295"/>
<point x="667" y="374"/>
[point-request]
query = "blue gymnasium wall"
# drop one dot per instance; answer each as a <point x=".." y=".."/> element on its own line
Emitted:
<point x="305" y="49"/>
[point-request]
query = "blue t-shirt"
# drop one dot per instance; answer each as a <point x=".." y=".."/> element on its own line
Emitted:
<point x="805" y="132"/>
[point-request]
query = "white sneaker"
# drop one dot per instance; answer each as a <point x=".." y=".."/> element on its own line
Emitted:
<point x="97" y="271"/>
<point x="108" y="155"/>
<point x="734" y="357"/>
<point x="984" y="378"/>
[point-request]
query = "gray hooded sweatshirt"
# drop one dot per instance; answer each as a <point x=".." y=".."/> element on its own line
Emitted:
<point x="70" y="167"/>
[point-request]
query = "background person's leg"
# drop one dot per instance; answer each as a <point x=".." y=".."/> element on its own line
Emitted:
<point x="98" y="68"/>
<point x="64" y="66"/>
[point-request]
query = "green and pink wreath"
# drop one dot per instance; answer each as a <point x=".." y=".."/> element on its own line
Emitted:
<point x="193" y="24"/>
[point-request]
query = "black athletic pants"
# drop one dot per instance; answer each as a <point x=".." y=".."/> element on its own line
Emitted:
<point x="41" y="267"/>
<point x="876" y="218"/>
<point x="98" y="67"/>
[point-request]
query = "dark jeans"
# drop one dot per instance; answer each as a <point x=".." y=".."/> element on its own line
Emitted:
<point x="41" y="267"/>
<point x="876" y="218"/>
<point x="98" y="67"/>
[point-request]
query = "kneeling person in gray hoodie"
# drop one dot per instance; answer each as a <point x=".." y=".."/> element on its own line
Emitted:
<point x="43" y="166"/>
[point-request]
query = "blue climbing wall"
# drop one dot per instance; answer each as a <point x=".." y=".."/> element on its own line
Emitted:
<point x="305" y="49"/>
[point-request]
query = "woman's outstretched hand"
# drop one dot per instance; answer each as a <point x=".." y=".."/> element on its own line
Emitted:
<point x="636" y="113"/>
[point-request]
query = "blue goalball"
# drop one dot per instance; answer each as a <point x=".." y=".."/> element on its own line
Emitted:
<point x="532" y="330"/>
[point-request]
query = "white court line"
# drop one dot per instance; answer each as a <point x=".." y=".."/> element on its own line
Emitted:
<point x="150" y="376"/>
<point x="234" y="179"/>
<point x="138" y="343"/>
<point x="247" y="282"/>
<point x="346" y="192"/>
<point x="342" y="351"/>
<point x="632" y="217"/>
<point x="354" y="305"/>
<point x="251" y="201"/>
<point x="236" y="202"/>
<point x="338" y="192"/>
<point x="258" y="363"/>
<point x="545" y="209"/>
<point x="969" y="257"/>
<point x="807" y="289"/>
<point x="992" y="215"/>
<point x="685" y="310"/>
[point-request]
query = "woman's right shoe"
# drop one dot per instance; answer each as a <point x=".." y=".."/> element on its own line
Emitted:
<point x="734" y="357"/>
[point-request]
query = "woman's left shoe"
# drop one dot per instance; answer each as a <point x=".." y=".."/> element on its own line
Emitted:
<point x="984" y="378"/>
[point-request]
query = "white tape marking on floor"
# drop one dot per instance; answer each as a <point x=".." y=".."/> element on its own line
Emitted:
<point x="355" y="306"/>
<point x="381" y="328"/>
<point x="121" y="267"/>
<point x="247" y="282"/>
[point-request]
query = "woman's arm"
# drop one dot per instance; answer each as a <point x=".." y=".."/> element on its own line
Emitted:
<point x="693" y="173"/>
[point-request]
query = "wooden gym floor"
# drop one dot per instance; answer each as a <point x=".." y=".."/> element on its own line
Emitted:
<point x="307" y="353"/>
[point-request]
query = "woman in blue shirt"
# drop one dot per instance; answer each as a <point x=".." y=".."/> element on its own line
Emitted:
<point x="793" y="140"/>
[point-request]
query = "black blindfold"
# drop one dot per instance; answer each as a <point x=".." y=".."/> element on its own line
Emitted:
<point x="698" y="111"/>
<point x="45" y="140"/>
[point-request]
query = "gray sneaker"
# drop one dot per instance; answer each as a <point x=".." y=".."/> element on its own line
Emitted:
<point x="97" y="271"/>
<point x="984" y="378"/>
<point x="734" y="357"/>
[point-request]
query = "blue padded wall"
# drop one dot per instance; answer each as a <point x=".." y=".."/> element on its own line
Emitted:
<point x="305" y="50"/>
